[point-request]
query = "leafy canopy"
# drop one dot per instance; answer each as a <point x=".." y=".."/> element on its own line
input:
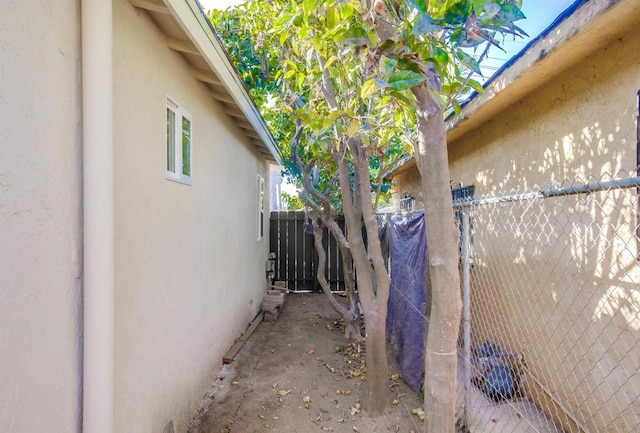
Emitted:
<point x="344" y="69"/>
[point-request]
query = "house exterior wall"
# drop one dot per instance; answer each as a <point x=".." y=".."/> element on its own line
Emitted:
<point x="407" y="183"/>
<point x="581" y="124"/>
<point x="189" y="269"/>
<point x="40" y="217"/>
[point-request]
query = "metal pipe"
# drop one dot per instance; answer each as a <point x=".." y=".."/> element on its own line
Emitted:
<point x="466" y="315"/>
<point x="633" y="182"/>
<point x="98" y="202"/>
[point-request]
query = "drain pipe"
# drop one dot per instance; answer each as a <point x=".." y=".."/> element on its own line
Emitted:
<point x="97" y="121"/>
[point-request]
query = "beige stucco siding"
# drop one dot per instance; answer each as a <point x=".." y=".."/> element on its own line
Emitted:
<point x="40" y="208"/>
<point x="582" y="123"/>
<point x="189" y="268"/>
<point x="578" y="328"/>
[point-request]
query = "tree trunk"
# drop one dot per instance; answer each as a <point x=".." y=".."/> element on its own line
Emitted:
<point x="320" y="204"/>
<point x="350" y="315"/>
<point x="442" y="238"/>
<point x="377" y="384"/>
<point x="372" y="276"/>
<point x="352" y="325"/>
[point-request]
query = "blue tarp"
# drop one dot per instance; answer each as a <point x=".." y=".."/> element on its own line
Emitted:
<point x="407" y="298"/>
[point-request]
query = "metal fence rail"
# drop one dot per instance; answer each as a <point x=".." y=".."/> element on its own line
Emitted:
<point x="551" y="326"/>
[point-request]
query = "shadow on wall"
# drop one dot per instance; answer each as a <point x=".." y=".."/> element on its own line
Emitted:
<point x="558" y="279"/>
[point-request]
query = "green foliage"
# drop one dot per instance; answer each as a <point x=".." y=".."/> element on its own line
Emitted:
<point x="345" y="70"/>
<point x="292" y="202"/>
<point x="336" y="81"/>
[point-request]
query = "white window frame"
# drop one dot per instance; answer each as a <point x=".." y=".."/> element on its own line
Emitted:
<point x="175" y="173"/>
<point x="261" y="203"/>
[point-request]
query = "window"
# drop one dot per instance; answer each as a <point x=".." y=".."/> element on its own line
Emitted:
<point x="461" y="195"/>
<point x="260" y="207"/>
<point x="179" y="143"/>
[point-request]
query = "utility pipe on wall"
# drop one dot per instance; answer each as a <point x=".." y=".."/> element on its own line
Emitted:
<point x="97" y="120"/>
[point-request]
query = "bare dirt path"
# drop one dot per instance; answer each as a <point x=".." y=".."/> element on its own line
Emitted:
<point x="299" y="374"/>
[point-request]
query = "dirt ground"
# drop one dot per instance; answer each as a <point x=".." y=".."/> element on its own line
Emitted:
<point x="299" y="374"/>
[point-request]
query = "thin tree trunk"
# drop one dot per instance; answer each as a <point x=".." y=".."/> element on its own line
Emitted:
<point x="319" y="204"/>
<point x="442" y="238"/>
<point x="370" y="274"/>
<point x="350" y="316"/>
<point x="377" y="384"/>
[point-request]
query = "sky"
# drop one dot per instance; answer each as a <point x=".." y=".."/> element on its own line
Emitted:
<point x="539" y="13"/>
<point x="219" y="4"/>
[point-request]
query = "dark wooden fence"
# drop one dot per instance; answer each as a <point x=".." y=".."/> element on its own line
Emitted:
<point x="296" y="258"/>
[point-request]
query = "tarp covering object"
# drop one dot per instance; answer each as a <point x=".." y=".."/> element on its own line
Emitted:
<point x="406" y="321"/>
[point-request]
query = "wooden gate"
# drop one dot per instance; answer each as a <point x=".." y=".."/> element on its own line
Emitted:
<point x="296" y="258"/>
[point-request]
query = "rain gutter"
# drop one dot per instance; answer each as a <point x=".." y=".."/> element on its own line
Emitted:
<point x="98" y="217"/>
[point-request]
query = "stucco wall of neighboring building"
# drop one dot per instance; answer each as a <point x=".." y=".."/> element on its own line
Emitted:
<point x="189" y="269"/>
<point x="40" y="217"/>
<point x="581" y="125"/>
<point x="407" y="183"/>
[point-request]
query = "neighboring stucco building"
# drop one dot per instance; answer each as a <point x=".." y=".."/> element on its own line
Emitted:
<point x="566" y="108"/>
<point x="133" y="167"/>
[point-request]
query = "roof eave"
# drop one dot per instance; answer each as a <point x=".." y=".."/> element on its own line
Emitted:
<point x="590" y="27"/>
<point x="231" y="92"/>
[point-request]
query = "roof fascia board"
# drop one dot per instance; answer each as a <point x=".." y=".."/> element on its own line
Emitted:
<point x="196" y="26"/>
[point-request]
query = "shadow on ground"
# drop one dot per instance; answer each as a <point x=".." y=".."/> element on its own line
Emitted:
<point x="297" y="375"/>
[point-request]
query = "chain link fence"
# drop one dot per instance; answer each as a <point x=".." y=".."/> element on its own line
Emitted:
<point x="550" y="337"/>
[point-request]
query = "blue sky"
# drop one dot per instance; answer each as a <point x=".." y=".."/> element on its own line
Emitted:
<point x="539" y="13"/>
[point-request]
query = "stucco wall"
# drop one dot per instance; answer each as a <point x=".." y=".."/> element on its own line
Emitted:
<point x="40" y="228"/>
<point x="579" y="328"/>
<point x="189" y="271"/>
<point x="580" y="124"/>
<point x="407" y="183"/>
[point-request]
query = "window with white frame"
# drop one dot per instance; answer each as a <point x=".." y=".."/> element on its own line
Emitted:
<point x="260" y="207"/>
<point x="179" y="143"/>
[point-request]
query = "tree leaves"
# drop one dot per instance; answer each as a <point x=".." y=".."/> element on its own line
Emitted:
<point x="354" y="35"/>
<point x="368" y="88"/>
<point x="387" y="65"/>
<point x="491" y="9"/>
<point x="425" y="24"/>
<point x="479" y="5"/>
<point x="371" y="85"/>
<point x="402" y="80"/>
<point x="295" y="51"/>
<point x="469" y="61"/>
<point x="509" y="13"/>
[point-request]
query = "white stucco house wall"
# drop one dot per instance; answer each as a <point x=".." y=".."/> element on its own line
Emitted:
<point x="133" y="167"/>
